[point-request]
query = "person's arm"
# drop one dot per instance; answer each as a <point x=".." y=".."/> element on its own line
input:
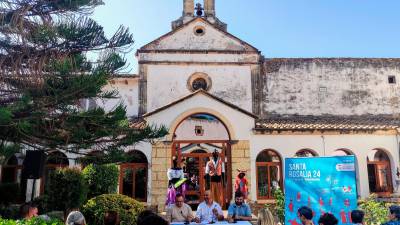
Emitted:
<point x="169" y="214"/>
<point x="248" y="216"/>
<point x="220" y="213"/>
<point x="230" y="214"/>
<point x="190" y="213"/>
<point x="197" y="219"/>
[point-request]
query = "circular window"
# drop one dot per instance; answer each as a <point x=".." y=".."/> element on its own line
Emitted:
<point x="199" y="31"/>
<point x="199" y="81"/>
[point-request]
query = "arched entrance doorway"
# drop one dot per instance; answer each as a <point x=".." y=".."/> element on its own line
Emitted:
<point x="195" y="140"/>
<point x="379" y="172"/>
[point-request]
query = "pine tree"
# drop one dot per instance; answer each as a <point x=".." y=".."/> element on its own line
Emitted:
<point x="45" y="73"/>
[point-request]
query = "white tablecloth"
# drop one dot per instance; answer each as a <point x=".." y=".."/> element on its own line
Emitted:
<point x="219" y="222"/>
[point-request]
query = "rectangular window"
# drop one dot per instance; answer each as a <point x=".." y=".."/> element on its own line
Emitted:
<point x="392" y="79"/>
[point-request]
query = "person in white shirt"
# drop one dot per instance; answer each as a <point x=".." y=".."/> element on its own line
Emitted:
<point x="208" y="211"/>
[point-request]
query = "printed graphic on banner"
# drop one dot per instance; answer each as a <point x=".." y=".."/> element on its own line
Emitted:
<point x="325" y="184"/>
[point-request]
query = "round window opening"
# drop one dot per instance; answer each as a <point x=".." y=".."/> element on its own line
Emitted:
<point x="199" y="83"/>
<point x="199" y="31"/>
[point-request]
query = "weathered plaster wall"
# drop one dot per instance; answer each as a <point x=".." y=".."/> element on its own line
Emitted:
<point x="128" y="89"/>
<point x="326" y="145"/>
<point x="331" y="86"/>
<point x="185" y="38"/>
<point x="167" y="83"/>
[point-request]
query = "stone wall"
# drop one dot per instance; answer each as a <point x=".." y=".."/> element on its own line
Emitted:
<point x="241" y="160"/>
<point x="338" y="86"/>
<point x="160" y="162"/>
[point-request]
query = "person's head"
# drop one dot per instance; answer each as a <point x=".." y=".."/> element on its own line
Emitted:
<point x="111" y="218"/>
<point x="207" y="197"/>
<point x="143" y="215"/>
<point x="394" y="212"/>
<point x="357" y="216"/>
<point x="28" y="210"/>
<point x="241" y="175"/>
<point x="175" y="161"/>
<point x="179" y="200"/>
<point x="152" y="219"/>
<point x="328" y="219"/>
<point x="239" y="198"/>
<point x="215" y="154"/>
<point x="305" y="213"/>
<point x="75" y="218"/>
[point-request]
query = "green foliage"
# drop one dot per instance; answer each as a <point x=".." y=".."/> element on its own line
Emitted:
<point x="6" y="151"/>
<point x="280" y="204"/>
<point x="45" y="75"/>
<point x="375" y="212"/>
<point x="102" y="179"/>
<point x="127" y="208"/>
<point x="67" y="189"/>
<point x="9" y="192"/>
<point x="33" y="221"/>
<point x="9" y="211"/>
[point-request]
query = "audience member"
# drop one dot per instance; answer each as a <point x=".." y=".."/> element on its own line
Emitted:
<point x="394" y="215"/>
<point x="328" y="219"/>
<point x="111" y="218"/>
<point x="239" y="210"/>
<point x="265" y="217"/>
<point x="180" y="211"/>
<point x="306" y="215"/>
<point x="147" y="217"/>
<point x="208" y="211"/>
<point x="28" y="210"/>
<point x="75" y="218"/>
<point x="357" y="216"/>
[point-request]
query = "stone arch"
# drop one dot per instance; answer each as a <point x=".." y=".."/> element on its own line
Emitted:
<point x="176" y="122"/>
<point x="306" y="152"/>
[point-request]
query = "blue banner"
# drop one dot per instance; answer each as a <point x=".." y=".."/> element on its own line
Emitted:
<point x="325" y="184"/>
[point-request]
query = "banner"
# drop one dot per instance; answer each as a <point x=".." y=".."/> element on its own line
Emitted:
<point x="325" y="184"/>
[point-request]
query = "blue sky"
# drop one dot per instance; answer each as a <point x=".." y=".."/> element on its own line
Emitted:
<point x="278" y="28"/>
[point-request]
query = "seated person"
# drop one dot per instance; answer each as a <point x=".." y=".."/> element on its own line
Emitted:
<point x="180" y="211"/>
<point x="208" y="211"/>
<point x="28" y="211"/>
<point x="239" y="210"/>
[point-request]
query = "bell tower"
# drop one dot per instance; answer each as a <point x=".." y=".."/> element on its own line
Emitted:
<point x="206" y="11"/>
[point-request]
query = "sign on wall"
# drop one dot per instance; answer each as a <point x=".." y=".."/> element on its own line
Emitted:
<point x="325" y="184"/>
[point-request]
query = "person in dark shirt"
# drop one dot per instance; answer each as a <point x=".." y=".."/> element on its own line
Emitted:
<point x="328" y="219"/>
<point x="394" y="215"/>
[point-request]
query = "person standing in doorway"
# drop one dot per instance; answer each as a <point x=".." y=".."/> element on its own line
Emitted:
<point x="215" y="169"/>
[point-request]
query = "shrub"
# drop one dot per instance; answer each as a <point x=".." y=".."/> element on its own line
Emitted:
<point x="8" y="193"/>
<point x="127" y="208"/>
<point x="9" y="212"/>
<point x="66" y="190"/>
<point x="280" y="204"/>
<point x="375" y="212"/>
<point x="102" y="179"/>
<point x="33" y="221"/>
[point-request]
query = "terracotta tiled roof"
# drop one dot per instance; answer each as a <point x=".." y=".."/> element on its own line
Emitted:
<point x="137" y="123"/>
<point x="288" y="123"/>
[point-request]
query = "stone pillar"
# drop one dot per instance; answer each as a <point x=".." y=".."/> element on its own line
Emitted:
<point x="160" y="162"/>
<point x="241" y="160"/>
<point x="209" y="8"/>
<point x="188" y="7"/>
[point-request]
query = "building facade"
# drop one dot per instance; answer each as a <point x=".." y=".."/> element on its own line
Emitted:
<point x="215" y="92"/>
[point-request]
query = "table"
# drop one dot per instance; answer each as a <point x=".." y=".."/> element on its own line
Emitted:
<point x="217" y="223"/>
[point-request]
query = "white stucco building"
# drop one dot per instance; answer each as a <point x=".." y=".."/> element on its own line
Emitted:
<point x="213" y="90"/>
